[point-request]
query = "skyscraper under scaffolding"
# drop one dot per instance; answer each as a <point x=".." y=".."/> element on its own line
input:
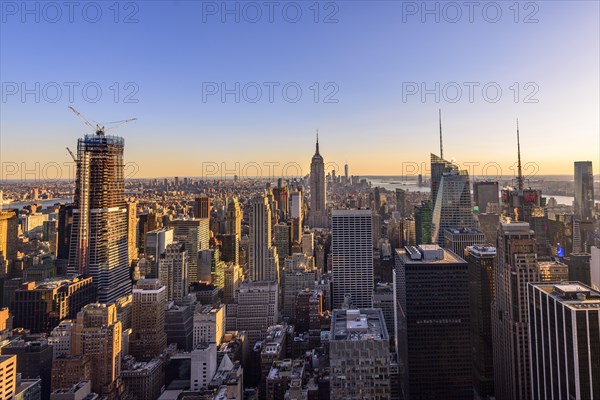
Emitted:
<point x="99" y="244"/>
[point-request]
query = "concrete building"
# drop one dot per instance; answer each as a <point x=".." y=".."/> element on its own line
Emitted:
<point x="263" y="257"/>
<point x="457" y="240"/>
<point x="256" y="307"/>
<point x="203" y="365"/>
<point x="179" y="326"/>
<point x="148" y="338"/>
<point x="195" y="234"/>
<point x="352" y="257"/>
<point x="144" y="380"/>
<point x="366" y="377"/>
<point x="209" y="325"/>
<point x="34" y="361"/>
<point x="8" y="376"/>
<point x="553" y="271"/>
<point x="173" y="269"/>
<point x="233" y="277"/>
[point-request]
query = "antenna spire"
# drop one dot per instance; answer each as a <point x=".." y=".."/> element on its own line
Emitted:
<point x="317" y="142"/>
<point x="441" y="146"/>
<point x="519" y="170"/>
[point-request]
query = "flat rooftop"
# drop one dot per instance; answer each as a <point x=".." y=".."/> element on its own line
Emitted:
<point x="427" y="254"/>
<point x="574" y="295"/>
<point x="354" y="324"/>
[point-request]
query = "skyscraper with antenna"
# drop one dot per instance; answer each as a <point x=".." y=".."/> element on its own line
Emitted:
<point x="318" y="206"/>
<point x="450" y="194"/>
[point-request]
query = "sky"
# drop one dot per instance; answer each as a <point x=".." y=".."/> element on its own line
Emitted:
<point x="242" y="87"/>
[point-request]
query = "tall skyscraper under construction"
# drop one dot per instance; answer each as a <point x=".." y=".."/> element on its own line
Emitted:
<point x="99" y="244"/>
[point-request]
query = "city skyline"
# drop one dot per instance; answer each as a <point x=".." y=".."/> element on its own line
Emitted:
<point x="169" y="87"/>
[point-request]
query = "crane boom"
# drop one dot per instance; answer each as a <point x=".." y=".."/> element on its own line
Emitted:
<point x="99" y="129"/>
<point x="72" y="155"/>
<point x="120" y="123"/>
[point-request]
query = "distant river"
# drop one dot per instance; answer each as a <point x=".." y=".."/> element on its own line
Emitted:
<point x="391" y="184"/>
<point x="44" y="203"/>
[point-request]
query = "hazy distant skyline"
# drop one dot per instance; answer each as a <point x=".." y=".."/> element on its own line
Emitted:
<point x="367" y="58"/>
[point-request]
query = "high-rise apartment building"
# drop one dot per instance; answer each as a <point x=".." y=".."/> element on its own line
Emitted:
<point x="99" y="243"/>
<point x="148" y="338"/>
<point x="357" y="332"/>
<point x="433" y="323"/>
<point x="482" y="289"/>
<point x="173" y="271"/>
<point x="564" y="327"/>
<point x="516" y="267"/>
<point x="317" y="217"/>
<point x="352" y="257"/>
<point x="583" y="206"/>
<point x="263" y="258"/>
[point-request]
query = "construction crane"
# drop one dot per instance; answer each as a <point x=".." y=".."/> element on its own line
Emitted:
<point x="72" y="155"/>
<point x="99" y="129"/>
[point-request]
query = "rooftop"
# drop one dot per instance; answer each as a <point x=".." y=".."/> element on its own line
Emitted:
<point x="482" y="250"/>
<point x="574" y="295"/>
<point x="363" y="324"/>
<point x="427" y="254"/>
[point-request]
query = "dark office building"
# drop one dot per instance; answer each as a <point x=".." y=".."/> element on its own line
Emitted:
<point x="482" y="289"/>
<point x="579" y="268"/>
<point x="34" y="360"/>
<point x="65" y="222"/>
<point x="230" y="244"/>
<point x="434" y="338"/>
<point x="485" y="193"/>
<point x="179" y="327"/>
<point x="41" y="306"/>
<point x="401" y="202"/>
<point x="202" y="207"/>
<point x="565" y="340"/>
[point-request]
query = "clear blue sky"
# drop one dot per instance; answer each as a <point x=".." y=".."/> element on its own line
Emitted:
<point x="369" y="54"/>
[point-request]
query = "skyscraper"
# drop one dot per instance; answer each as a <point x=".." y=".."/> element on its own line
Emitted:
<point x="516" y="267"/>
<point x="195" y="233"/>
<point x="99" y="244"/>
<point x="318" y="206"/>
<point x="433" y="338"/>
<point x="148" y="338"/>
<point x="263" y="259"/>
<point x="482" y="290"/>
<point x="484" y="193"/>
<point x="452" y="205"/>
<point x="202" y="207"/>
<point x="584" y="191"/>
<point x="352" y="257"/>
<point x="234" y="217"/>
<point x="98" y="335"/>
<point x="9" y="228"/>
<point x="132" y="230"/>
<point x="565" y="340"/>
<point x="173" y="271"/>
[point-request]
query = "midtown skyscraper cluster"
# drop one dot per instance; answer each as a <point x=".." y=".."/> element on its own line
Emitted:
<point x="326" y="286"/>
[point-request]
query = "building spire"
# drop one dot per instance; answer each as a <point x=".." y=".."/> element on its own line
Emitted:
<point x="519" y="170"/>
<point x="441" y="146"/>
<point x="317" y="152"/>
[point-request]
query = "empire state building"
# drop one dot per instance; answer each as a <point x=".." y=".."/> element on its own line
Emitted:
<point x="318" y="210"/>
